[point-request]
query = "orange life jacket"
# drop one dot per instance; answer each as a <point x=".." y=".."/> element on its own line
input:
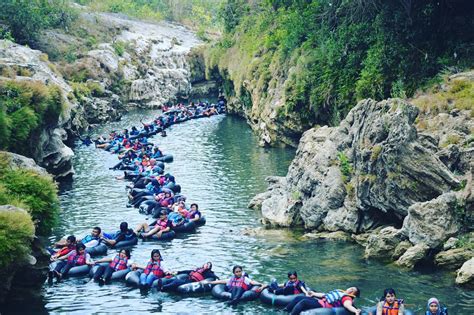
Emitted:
<point x="393" y="309"/>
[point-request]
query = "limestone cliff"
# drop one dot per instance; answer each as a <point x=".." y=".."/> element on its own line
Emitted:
<point x="376" y="169"/>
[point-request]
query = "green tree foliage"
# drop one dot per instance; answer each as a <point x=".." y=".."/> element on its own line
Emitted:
<point x="201" y="15"/>
<point x="25" y="18"/>
<point x="16" y="233"/>
<point x="31" y="191"/>
<point x="25" y="108"/>
<point x="334" y="52"/>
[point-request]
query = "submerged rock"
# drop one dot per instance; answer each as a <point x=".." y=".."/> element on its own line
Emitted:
<point x="336" y="236"/>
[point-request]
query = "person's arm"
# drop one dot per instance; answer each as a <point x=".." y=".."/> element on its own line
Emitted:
<point x="401" y="309"/>
<point x="60" y="243"/>
<point x="64" y="257"/>
<point x="91" y="243"/>
<point x="110" y="242"/>
<point x="302" y="288"/>
<point x="316" y="294"/>
<point x="89" y="260"/>
<point x="253" y="282"/>
<point x="105" y="259"/>
<point x="348" y="305"/>
<point x="218" y="282"/>
<point x="136" y="266"/>
<point x="379" y="308"/>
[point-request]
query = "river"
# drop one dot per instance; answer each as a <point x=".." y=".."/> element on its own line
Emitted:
<point x="220" y="166"/>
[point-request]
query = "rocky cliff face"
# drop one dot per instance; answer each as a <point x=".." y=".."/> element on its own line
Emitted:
<point x="257" y="88"/>
<point x="50" y="152"/>
<point x="146" y="65"/>
<point x="375" y="169"/>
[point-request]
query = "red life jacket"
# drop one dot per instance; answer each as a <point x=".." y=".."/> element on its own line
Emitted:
<point x="294" y="285"/>
<point x="63" y="251"/>
<point x="238" y="282"/>
<point x="76" y="259"/>
<point x="391" y="309"/>
<point x="119" y="263"/>
<point x="155" y="268"/>
<point x="197" y="275"/>
<point x="162" y="224"/>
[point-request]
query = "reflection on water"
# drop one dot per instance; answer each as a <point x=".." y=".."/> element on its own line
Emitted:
<point x="220" y="166"/>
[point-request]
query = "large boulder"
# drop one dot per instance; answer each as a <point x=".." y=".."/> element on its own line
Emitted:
<point x="434" y="221"/>
<point x="465" y="275"/>
<point x="383" y="244"/>
<point x="365" y="173"/>
<point x="17" y="161"/>
<point x="413" y="255"/>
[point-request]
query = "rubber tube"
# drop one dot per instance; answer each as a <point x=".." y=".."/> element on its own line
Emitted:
<point x="98" y="250"/>
<point x="185" y="228"/>
<point x="218" y="291"/>
<point x="167" y="236"/>
<point x="196" y="287"/>
<point x="277" y="300"/>
<point x="201" y="221"/>
<point x="126" y="243"/>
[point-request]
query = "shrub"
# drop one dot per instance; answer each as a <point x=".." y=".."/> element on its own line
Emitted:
<point x="345" y="166"/>
<point x="119" y="47"/>
<point x="34" y="192"/>
<point x="25" y="107"/>
<point x="26" y="19"/>
<point x="16" y="233"/>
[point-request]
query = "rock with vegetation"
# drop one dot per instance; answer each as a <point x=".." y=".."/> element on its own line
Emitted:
<point x="288" y="65"/>
<point x="28" y="205"/>
<point x="16" y="233"/>
<point x="38" y="112"/>
<point x="377" y="169"/>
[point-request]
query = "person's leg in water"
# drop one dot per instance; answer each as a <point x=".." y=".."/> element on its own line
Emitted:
<point x="108" y="273"/>
<point x="235" y="295"/>
<point x="305" y="304"/>
<point x="142" y="226"/>
<point x="174" y="284"/>
<point x="293" y="302"/>
<point x="99" y="272"/>
<point x="284" y="291"/>
<point x="146" y="281"/>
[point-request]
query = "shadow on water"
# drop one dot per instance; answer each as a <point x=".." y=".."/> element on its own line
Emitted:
<point x="220" y="166"/>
